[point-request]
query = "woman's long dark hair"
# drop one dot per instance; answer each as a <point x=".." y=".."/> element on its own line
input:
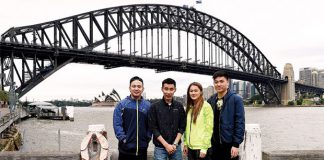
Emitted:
<point x="196" y="107"/>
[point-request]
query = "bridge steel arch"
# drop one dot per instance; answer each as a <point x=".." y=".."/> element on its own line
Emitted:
<point x="44" y="48"/>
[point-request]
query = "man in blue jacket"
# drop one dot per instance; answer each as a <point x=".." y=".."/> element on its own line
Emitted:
<point x="229" y="120"/>
<point x="131" y="123"/>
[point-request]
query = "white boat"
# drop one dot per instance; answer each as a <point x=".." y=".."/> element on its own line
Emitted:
<point x="47" y="110"/>
<point x="35" y="108"/>
<point x="95" y="145"/>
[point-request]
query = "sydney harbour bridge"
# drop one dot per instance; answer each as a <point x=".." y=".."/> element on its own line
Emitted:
<point x="157" y="36"/>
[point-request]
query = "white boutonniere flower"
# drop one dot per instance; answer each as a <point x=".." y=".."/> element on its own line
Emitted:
<point x="219" y="104"/>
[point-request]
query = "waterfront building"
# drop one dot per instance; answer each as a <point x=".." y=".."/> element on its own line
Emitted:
<point x="234" y="87"/>
<point x="244" y="88"/>
<point x="208" y="92"/>
<point x="253" y="91"/>
<point x="314" y="78"/>
<point x="311" y="76"/>
<point x="307" y="75"/>
<point x="106" y="100"/>
<point x="321" y="78"/>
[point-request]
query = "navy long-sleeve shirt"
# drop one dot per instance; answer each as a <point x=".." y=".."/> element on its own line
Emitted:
<point x="167" y="121"/>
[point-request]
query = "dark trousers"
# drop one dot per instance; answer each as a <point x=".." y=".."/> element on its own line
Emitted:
<point x="194" y="154"/>
<point x="220" y="152"/>
<point x="123" y="156"/>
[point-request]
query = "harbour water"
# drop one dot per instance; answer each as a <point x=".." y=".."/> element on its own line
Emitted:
<point x="282" y="128"/>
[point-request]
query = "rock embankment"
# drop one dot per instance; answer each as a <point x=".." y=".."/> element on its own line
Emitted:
<point x="10" y="140"/>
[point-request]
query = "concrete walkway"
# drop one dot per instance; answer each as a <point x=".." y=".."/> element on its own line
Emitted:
<point x="5" y="122"/>
<point x="4" y="111"/>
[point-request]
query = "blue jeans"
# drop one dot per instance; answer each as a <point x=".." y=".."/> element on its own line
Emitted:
<point x="162" y="154"/>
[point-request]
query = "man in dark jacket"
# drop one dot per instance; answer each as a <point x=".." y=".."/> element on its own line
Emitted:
<point x="167" y="120"/>
<point x="229" y="120"/>
<point x="130" y="122"/>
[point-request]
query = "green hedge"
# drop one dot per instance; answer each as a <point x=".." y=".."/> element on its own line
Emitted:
<point x="299" y="101"/>
<point x="291" y="103"/>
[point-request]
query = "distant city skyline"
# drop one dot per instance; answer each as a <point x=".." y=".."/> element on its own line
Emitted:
<point x="311" y="76"/>
<point x="289" y="31"/>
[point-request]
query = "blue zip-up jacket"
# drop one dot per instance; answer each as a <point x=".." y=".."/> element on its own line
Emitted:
<point x="232" y="118"/>
<point x="130" y="123"/>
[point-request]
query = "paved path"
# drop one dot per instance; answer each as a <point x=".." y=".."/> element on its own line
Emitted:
<point x="5" y="122"/>
<point x="4" y="111"/>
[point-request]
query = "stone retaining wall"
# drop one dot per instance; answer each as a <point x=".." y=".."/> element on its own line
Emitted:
<point x="273" y="155"/>
<point x="39" y="156"/>
<point x="293" y="155"/>
<point x="11" y="140"/>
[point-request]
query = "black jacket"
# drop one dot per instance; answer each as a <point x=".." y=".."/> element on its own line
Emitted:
<point x="166" y="121"/>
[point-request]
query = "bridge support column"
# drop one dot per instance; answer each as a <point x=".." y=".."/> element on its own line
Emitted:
<point x="288" y="89"/>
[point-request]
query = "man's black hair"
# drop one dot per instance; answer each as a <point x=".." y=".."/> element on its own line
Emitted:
<point x="169" y="81"/>
<point x="220" y="74"/>
<point x="136" y="78"/>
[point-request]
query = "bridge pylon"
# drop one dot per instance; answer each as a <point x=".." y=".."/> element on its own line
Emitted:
<point x="288" y="89"/>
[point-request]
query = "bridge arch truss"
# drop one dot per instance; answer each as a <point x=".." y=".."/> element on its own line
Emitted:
<point x="162" y="37"/>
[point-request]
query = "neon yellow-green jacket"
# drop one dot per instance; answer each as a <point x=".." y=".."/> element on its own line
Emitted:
<point x="198" y="135"/>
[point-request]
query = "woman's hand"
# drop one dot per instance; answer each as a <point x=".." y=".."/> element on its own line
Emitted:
<point x="185" y="150"/>
<point x="202" y="155"/>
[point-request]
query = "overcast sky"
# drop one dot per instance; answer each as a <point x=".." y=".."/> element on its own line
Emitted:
<point x="286" y="31"/>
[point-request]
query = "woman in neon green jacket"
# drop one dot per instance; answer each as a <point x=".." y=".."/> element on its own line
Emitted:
<point x="200" y="122"/>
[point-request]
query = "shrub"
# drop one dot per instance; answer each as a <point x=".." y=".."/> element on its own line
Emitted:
<point x="246" y="102"/>
<point x="299" y="101"/>
<point x="322" y="101"/>
<point x="259" y="101"/>
<point x="291" y="103"/>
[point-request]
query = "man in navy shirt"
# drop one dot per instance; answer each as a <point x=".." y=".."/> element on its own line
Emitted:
<point x="167" y="120"/>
